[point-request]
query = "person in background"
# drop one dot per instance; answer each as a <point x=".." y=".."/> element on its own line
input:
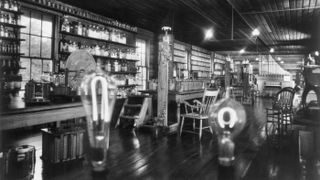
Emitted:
<point x="296" y="105"/>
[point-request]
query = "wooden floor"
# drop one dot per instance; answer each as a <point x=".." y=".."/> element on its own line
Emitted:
<point x="146" y="155"/>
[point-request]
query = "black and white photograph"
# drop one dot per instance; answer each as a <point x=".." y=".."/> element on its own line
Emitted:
<point x="159" y="89"/>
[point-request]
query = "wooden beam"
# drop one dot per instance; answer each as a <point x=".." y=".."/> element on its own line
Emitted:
<point x="280" y="10"/>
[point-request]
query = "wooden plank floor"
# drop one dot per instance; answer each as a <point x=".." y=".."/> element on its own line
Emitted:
<point x="142" y="155"/>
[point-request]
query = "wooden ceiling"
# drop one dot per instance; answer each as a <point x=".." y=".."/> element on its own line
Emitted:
<point x="289" y="26"/>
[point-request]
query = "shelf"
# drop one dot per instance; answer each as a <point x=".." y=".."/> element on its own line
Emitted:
<point x="11" y="54"/>
<point x="12" y="25"/>
<point x="204" y="58"/>
<point x="127" y="86"/>
<point x="178" y="55"/>
<point x="11" y="11"/>
<point x="96" y="39"/>
<point x="200" y="65"/>
<point x="65" y="12"/>
<point x="175" y="49"/>
<point x="11" y="39"/>
<point x="179" y="62"/>
<point x="201" y="70"/>
<point x="199" y="51"/>
<point x="103" y="57"/>
<point x="122" y="72"/>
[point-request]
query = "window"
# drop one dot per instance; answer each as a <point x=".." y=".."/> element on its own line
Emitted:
<point x="142" y="64"/>
<point x="37" y="45"/>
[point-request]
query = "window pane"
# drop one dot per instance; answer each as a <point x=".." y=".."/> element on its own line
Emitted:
<point x="25" y="21"/>
<point x="25" y="44"/>
<point x="25" y="63"/>
<point x="47" y="26"/>
<point x="35" y="23"/>
<point x="47" y="66"/>
<point x="36" y="69"/>
<point x="46" y="48"/>
<point x="35" y="46"/>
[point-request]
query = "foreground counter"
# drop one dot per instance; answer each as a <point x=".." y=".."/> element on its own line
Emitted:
<point x="37" y="115"/>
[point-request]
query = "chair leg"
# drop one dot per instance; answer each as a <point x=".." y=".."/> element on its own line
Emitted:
<point x="181" y="126"/>
<point x="200" y="129"/>
<point x="194" y="124"/>
<point x="210" y="130"/>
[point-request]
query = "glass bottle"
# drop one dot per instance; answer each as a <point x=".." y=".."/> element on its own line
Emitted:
<point x="1" y="17"/>
<point x="80" y="28"/>
<point x="116" y="66"/>
<point x="15" y="6"/>
<point x="65" y="25"/>
<point x="6" y="4"/>
<point x="84" y="30"/>
<point x="1" y="31"/>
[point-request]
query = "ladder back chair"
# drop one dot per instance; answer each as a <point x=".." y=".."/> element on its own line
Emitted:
<point x="280" y="115"/>
<point x="199" y="111"/>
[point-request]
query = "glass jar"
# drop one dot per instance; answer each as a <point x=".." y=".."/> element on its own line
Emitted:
<point x="79" y="29"/>
<point x="65" y="25"/>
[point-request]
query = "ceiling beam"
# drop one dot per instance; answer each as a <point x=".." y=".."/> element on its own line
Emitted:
<point x="246" y="21"/>
<point x="280" y="10"/>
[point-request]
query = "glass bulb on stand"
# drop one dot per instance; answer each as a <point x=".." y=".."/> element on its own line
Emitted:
<point x="227" y="118"/>
<point x="98" y="95"/>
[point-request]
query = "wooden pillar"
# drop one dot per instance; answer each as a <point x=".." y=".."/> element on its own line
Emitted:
<point x="165" y="55"/>
<point x="227" y="74"/>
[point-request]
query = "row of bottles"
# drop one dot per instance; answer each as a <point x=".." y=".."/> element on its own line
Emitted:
<point x="12" y="48"/>
<point x="71" y="46"/>
<point x="10" y="18"/>
<point x="6" y="32"/>
<point x="9" y="73"/>
<point x="10" y="5"/>
<point x="116" y="66"/>
<point x="94" y="31"/>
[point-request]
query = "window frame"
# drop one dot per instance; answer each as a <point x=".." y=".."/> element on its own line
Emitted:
<point x="145" y="77"/>
<point x="28" y="56"/>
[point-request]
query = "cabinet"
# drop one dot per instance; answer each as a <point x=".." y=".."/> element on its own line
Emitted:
<point x="113" y="47"/>
<point x="10" y="49"/>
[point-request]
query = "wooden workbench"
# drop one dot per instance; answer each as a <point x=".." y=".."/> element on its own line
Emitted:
<point x="36" y="115"/>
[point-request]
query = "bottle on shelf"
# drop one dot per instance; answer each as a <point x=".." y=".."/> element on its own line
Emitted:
<point x="79" y="28"/>
<point x="116" y="66"/>
<point x="65" y="25"/>
<point x="6" y="4"/>
<point x="108" y="66"/>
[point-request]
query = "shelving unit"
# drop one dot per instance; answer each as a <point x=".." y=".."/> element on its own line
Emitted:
<point x="10" y="82"/>
<point x="97" y="39"/>
<point x="113" y="47"/>
<point x="180" y="56"/>
<point x="219" y="62"/>
<point x="200" y="62"/>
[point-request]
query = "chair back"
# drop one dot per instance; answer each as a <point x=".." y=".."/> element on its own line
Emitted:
<point x="209" y="97"/>
<point x="284" y="99"/>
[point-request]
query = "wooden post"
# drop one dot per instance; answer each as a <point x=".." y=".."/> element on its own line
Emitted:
<point x="165" y="55"/>
<point x="227" y="74"/>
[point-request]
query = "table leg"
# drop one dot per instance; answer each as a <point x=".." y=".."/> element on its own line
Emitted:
<point x="178" y="112"/>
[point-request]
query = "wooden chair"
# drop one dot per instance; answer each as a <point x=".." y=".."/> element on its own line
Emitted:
<point x="281" y="114"/>
<point x="199" y="111"/>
